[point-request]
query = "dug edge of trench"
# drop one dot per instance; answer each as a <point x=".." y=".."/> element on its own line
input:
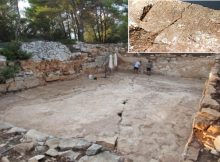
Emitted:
<point x="204" y="142"/>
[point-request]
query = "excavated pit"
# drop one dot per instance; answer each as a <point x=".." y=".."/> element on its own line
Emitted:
<point x="144" y="117"/>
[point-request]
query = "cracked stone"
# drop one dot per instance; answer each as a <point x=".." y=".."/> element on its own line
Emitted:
<point x="172" y="30"/>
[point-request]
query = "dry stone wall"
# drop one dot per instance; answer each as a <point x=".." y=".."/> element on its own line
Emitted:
<point x="205" y="137"/>
<point x="181" y="65"/>
<point x="53" y="61"/>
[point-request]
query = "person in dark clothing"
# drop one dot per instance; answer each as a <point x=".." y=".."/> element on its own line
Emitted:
<point x="149" y="67"/>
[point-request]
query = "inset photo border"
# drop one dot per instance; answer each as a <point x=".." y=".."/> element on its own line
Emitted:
<point x="173" y="26"/>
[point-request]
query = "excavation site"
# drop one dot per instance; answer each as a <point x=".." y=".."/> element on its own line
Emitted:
<point x="79" y="109"/>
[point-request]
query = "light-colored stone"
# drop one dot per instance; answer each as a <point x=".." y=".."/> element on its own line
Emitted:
<point x="4" y="159"/>
<point x="35" y="135"/>
<point x="17" y="130"/>
<point x="53" y="143"/>
<point x="52" y="152"/>
<point x="23" y="148"/>
<point x="75" y="144"/>
<point x="36" y="158"/>
<point x="102" y="157"/>
<point x="209" y="102"/>
<point x="70" y="155"/>
<point x="4" y="125"/>
<point x="41" y="148"/>
<point x="213" y="112"/>
<point x="217" y="143"/>
<point x="52" y="77"/>
<point x="93" y="150"/>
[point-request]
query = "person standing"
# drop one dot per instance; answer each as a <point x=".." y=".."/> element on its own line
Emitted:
<point x="149" y="67"/>
<point x="137" y="66"/>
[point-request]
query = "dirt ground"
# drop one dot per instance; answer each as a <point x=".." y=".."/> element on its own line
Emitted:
<point x="146" y="117"/>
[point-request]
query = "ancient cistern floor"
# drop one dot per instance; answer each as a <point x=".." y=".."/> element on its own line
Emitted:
<point x="148" y="117"/>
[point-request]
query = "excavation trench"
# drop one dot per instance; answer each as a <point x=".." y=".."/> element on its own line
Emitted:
<point x="144" y="117"/>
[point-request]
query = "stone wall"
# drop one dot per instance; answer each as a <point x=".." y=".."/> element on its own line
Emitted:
<point x="181" y="65"/>
<point x="53" y="61"/>
<point x="206" y="127"/>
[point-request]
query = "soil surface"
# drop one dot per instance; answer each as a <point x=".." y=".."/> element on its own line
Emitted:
<point x="145" y="117"/>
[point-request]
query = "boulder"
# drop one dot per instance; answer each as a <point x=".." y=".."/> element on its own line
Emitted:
<point x="53" y="143"/>
<point x="93" y="150"/>
<point x="36" y="136"/>
<point x="23" y="148"/>
<point x="52" y="152"/>
<point x="75" y="144"/>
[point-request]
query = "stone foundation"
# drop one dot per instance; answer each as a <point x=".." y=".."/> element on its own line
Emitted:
<point x="205" y="137"/>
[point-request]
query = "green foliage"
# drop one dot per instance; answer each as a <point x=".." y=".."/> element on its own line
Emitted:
<point x="68" y="41"/>
<point x="8" y="72"/>
<point x="95" y="21"/>
<point x="12" y="52"/>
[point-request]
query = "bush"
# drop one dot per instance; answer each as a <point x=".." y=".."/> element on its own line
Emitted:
<point x="68" y="41"/>
<point x="8" y="72"/>
<point x="13" y="52"/>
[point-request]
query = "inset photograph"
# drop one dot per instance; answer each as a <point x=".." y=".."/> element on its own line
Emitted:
<point x="174" y="26"/>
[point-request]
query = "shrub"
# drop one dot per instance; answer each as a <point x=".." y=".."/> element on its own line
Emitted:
<point x="8" y="72"/>
<point x="68" y="41"/>
<point x="13" y="52"/>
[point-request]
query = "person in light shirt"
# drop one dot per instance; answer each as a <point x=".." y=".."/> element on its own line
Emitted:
<point x="137" y="66"/>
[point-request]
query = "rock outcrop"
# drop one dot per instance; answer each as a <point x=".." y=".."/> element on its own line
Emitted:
<point x="172" y="26"/>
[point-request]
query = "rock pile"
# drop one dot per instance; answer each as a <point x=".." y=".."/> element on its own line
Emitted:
<point x="206" y="126"/>
<point x="18" y="144"/>
<point x="42" y="50"/>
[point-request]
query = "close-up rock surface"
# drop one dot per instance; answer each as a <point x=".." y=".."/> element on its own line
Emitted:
<point x="172" y="26"/>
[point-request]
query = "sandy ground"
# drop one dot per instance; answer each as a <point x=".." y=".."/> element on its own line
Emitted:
<point x="149" y="117"/>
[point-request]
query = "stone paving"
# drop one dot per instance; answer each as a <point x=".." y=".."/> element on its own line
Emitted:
<point x="145" y="118"/>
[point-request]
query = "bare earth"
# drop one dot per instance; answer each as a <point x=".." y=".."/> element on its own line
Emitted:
<point x="156" y="112"/>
